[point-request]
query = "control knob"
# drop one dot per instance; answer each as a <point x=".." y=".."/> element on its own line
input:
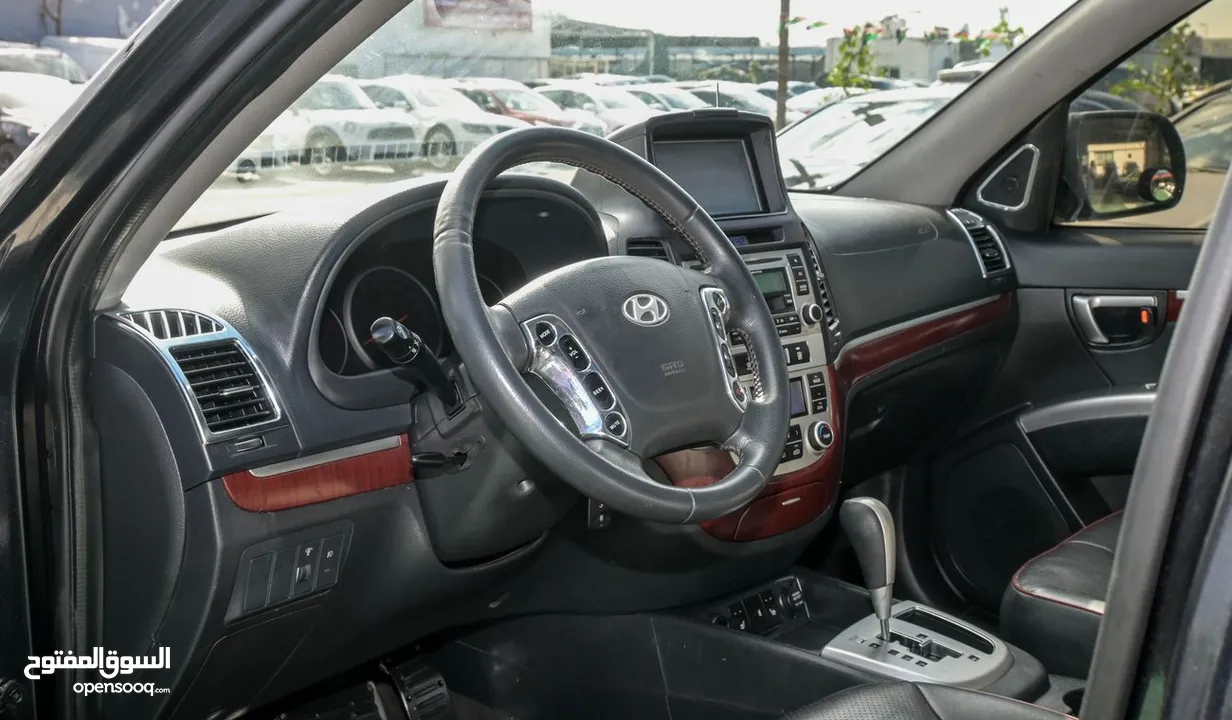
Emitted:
<point x="811" y="313"/>
<point x="820" y="436"/>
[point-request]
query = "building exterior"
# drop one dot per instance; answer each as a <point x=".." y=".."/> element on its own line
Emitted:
<point x="915" y="58"/>
<point x="23" y="20"/>
<point x="478" y="38"/>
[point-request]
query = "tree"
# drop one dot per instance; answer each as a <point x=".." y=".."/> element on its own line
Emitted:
<point x="1168" y="77"/>
<point x="52" y="11"/>
<point x="780" y="115"/>
<point x="855" y="62"/>
<point x="1002" y="32"/>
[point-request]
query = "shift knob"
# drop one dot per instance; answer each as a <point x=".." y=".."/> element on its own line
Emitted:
<point x="870" y="528"/>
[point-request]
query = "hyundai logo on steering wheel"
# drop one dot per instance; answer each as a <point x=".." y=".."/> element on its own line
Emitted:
<point x="646" y="309"/>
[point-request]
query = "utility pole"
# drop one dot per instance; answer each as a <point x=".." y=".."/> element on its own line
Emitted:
<point x="784" y="61"/>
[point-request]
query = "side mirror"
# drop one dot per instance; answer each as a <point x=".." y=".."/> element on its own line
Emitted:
<point x="1122" y="162"/>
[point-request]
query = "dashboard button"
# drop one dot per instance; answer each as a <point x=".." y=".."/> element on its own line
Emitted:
<point x="304" y="576"/>
<point x="817" y="380"/>
<point x="792" y="451"/>
<point x="791" y="329"/>
<point x="256" y="588"/>
<point x="820" y="436"/>
<point x="798" y="274"/>
<point x="545" y="333"/>
<point x="816" y="392"/>
<point x="573" y="351"/>
<point x="795" y="434"/>
<point x="797" y="353"/>
<point x="599" y="392"/>
<point x="615" y="424"/>
<point x="795" y="261"/>
<point x="802" y="287"/>
<point x="280" y="584"/>
<point x="331" y="560"/>
<point x="820" y="405"/>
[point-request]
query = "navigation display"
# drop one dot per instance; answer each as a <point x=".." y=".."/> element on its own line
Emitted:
<point x="717" y="173"/>
<point x="771" y="282"/>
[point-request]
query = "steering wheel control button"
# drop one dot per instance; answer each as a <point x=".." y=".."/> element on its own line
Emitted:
<point x="720" y="303"/>
<point x="717" y="321"/>
<point x="820" y="436"/>
<point x="728" y="364"/>
<point x="572" y="350"/>
<point x="599" y="392"/>
<point x="738" y="392"/>
<point x="545" y="333"/>
<point x="615" y="424"/>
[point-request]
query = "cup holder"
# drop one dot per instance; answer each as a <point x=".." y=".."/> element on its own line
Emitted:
<point x="1073" y="700"/>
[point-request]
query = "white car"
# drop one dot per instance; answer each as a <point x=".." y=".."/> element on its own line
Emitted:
<point x="809" y="101"/>
<point x="742" y="96"/>
<point x="615" y="106"/>
<point x="347" y="127"/>
<point x="667" y="98"/>
<point x="279" y="147"/>
<point x="452" y="124"/>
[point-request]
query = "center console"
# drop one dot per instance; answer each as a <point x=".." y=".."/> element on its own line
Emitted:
<point x="727" y="161"/>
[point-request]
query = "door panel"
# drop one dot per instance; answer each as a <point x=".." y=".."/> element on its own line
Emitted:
<point x="1053" y="444"/>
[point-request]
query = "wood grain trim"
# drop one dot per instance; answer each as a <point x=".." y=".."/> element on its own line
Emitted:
<point x="1175" y="303"/>
<point x="699" y="468"/>
<point x="858" y="361"/>
<point x="323" y="482"/>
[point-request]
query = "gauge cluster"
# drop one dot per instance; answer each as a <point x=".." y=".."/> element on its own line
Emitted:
<point x="390" y="275"/>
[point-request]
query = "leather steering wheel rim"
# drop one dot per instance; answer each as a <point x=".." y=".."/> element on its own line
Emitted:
<point x="496" y="349"/>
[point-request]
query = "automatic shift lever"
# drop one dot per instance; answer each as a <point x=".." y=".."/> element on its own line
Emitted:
<point x="870" y="527"/>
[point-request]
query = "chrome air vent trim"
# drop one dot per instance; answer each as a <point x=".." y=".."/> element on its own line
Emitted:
<point x="219" y="331"/>
<point x="968" y="221"/>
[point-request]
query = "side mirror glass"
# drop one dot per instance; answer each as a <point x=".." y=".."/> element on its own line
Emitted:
<point x="1122" y="162"/>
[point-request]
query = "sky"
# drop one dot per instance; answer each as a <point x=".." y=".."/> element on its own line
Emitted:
<point x="760" y="17"/>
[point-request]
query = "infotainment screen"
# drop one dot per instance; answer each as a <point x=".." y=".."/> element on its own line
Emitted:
<point x="717" y="173"/>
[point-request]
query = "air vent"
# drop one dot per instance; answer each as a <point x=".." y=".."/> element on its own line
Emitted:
<point x="988" y="248"/>
<point x="985" y="240"/>
<point x="226" y="386"/>
<point x="827" y="306"/>
<point x="170" y="324"/>
<point x="650" y="248"/>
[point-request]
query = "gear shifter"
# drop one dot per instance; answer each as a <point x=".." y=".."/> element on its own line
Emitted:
<point x="406" y="350"/>
<point x="870" y="528"/>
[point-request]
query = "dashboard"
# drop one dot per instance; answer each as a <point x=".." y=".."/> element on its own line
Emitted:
<point x="260" y="427"/>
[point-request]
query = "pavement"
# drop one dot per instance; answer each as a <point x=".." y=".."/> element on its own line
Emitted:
<point x="229" y="199"/>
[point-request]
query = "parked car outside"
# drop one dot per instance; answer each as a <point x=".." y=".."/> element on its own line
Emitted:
<point x="347" y="127"/>
<point x="451" y="124"/>
<point x="742" y="96"/>
<point x="279" y="147"/>
<point x="29" y="102"/>
<point x="794" y="87"/>
<point x="41" y="61"/>
<point x="90" y="53"/>
<point x="819" y="97"/>
<point x="665" y="97"/>
<point x="615" y="106"/>
<point x="513" y="99"/>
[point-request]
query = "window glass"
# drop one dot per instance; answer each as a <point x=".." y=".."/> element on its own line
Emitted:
<point x="1185" y="75"/>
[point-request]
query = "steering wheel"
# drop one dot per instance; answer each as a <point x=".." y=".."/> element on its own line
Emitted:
<point x="633" y="350"/>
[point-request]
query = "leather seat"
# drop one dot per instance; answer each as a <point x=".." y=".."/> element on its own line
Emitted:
<point x="1055" y="602"/>
<point x="909" y="701"/>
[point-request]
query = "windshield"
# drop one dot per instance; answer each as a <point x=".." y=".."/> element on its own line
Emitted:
<point x="466" y="65"/>
<point x="842" y="137"/>
<point x="525" y="101"/>
<point x="42" y="62"/>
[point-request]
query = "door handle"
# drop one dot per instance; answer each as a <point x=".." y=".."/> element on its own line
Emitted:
<point x="1086" y="305"/>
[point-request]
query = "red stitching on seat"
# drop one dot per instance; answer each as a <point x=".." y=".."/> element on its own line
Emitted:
<point x="1014" y="582"/>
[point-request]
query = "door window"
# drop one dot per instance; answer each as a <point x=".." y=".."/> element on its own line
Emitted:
<point x="1184" y="75"/>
